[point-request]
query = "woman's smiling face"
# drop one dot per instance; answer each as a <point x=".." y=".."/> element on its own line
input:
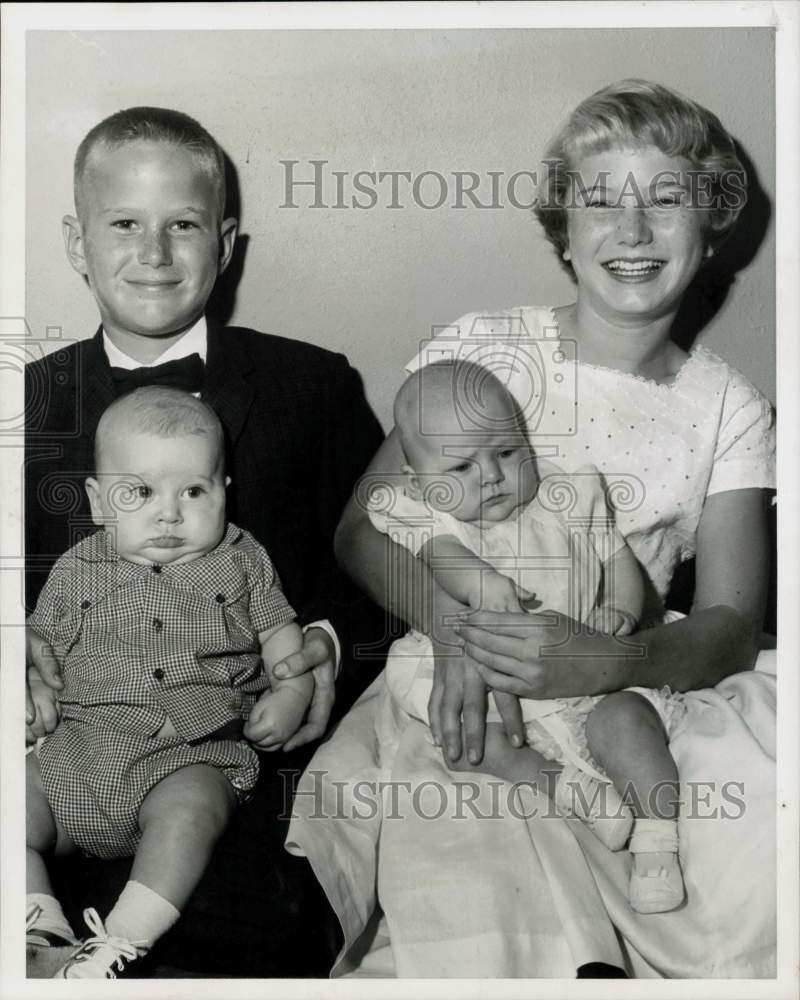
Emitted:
<point x="635" y="236"/>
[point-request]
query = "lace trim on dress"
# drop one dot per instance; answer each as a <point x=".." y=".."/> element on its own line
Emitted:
<point x="670" y="705"/>
<point x="573" y="713"/>
<point x="673" y="707"/>
<point x="692" y="357"/>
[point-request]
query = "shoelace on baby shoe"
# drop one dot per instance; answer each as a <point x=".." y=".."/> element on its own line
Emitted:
<point x="32" y="916"/>
<point x="37" y="937"/>
<point x="100" y="956"/>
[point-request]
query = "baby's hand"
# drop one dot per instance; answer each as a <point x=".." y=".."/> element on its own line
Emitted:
<point x="498" y="593"/>
<point x="611" y="621"/>
<point x="276" y="716"/>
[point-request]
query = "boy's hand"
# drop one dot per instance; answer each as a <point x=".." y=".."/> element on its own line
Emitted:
<point x="43" y="679"/>
<point x="275" y="717"/>
<point x="318" y="654"/>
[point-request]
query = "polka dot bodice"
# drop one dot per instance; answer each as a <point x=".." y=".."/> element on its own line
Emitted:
<point x="661" y="448"/>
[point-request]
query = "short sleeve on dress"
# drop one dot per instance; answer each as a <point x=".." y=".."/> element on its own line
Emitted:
<point x="408" y="522"/>
<point x="744" y="457"/>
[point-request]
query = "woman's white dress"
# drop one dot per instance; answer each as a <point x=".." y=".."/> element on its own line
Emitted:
<point x="479" y="879"/>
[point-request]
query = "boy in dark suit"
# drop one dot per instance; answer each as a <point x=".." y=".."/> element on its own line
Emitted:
<point x="150" y="238"/>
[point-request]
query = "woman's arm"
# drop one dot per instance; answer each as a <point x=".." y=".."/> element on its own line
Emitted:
<point x="531" y="658"/>
<point x="405" y="587"/>
<point x="386" y="571"/>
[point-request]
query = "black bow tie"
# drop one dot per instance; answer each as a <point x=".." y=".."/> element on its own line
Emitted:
<point x="186" y="373"/>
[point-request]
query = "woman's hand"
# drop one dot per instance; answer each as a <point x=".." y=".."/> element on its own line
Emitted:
<point x="459" y="695"/>
<point x="545" y="655"/>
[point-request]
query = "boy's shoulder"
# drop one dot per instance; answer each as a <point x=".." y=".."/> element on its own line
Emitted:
<point x="272" y="349"/>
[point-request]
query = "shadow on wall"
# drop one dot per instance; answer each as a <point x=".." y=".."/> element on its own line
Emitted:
<point x="223" y="298"/>
<point x="707" y="294"/>
<point x="701" y="303"/>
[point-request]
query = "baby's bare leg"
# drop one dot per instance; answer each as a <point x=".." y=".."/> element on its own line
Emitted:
<point x="626" y="737"/>
<point x="573" y="792"/>
<point x="181" y="820"/>
<point x="514" y="764"/>
<point x="43" y="833"/>
<point x="50" y="937"/>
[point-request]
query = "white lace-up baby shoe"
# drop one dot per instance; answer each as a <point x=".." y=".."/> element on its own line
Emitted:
<point x="102" y="956"/>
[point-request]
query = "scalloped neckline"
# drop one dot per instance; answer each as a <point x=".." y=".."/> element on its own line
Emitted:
<point x="689" y="359"/>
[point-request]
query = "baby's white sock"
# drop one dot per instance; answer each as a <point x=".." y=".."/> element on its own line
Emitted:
<point x="654" y="844"/>
<point x="51" y="917"/>
<point x="140" y="915"/>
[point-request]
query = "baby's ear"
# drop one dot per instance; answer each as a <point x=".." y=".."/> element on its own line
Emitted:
<point x="72" y="232"/>
<point x="93" y="492"/>
<point x="412" y="483"/>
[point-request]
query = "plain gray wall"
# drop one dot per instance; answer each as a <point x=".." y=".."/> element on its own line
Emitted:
<point x="372" y="283"/>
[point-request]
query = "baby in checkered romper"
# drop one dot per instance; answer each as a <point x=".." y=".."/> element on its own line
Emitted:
<point x="171" y="623"/>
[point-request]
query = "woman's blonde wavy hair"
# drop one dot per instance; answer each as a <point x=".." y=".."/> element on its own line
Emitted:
<point x="636" y="113"/>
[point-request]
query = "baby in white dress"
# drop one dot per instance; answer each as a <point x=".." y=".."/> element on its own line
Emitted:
<point x="502" y="533"/>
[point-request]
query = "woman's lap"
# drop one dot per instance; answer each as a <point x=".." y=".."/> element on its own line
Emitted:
<point x="480" y="891"/>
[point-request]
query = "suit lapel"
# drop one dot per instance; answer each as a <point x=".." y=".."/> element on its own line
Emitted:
<point x="96" y="389"/>
<point x="226" y="387"/>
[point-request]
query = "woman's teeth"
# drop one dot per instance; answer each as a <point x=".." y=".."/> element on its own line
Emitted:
<point x="634" y="266"/>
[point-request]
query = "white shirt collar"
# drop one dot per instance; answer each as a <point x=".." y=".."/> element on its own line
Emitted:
<point x="194" y="341"/>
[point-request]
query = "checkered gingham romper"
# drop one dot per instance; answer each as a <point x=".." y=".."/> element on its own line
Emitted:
<point x="146" y="643"/>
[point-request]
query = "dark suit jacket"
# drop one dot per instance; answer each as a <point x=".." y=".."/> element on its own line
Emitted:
<point x="299" y="433"/>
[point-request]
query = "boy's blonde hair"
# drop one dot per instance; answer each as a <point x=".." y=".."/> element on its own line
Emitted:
<point x="152" y="125"/>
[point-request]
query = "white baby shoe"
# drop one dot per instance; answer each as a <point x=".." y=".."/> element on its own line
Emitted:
<point x="656" y="884"/>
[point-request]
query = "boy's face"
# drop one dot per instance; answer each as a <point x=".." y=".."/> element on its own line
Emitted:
<point x="149" y="238"/>
<point x="162" y="498"/>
